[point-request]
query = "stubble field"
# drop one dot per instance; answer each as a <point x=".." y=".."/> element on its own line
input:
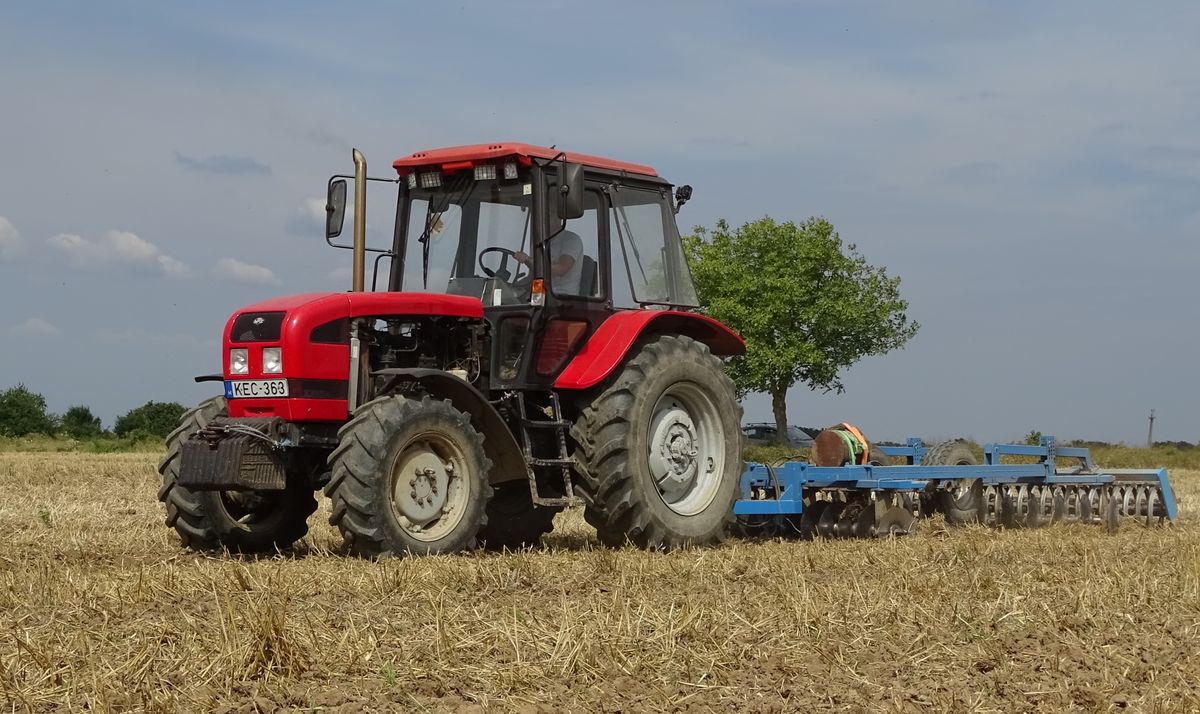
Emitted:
<point x="100" y="610"/>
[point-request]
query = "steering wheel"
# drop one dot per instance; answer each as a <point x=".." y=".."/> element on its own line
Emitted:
<point x="501" y="272"/>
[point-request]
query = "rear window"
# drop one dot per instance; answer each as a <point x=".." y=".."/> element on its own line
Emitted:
<point x="257" y="327"/>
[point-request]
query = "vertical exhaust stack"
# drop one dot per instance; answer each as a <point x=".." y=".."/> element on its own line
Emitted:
<point x="360" y="222"/>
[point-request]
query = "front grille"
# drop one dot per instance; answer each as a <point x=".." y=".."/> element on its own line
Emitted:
<point x="257" y="327"/>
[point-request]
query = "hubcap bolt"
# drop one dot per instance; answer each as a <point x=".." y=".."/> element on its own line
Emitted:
<point x="413" y="493"/>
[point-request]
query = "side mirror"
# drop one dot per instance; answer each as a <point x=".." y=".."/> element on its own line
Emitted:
<point x="570" y="196"/>
<point x="335" y="208"/>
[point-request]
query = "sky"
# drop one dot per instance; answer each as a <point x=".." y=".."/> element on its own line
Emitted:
<point x="1030" y="170"/>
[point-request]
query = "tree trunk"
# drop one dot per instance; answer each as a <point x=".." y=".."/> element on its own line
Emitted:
<point x="779" y="406"/>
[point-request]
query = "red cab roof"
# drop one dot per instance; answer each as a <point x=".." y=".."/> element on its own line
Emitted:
<point x="453" y="158"/>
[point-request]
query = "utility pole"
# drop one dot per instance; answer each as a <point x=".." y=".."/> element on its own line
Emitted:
<point x="1150" y="437"/>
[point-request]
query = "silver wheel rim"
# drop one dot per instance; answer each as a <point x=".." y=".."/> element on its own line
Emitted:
<point x="687" y="448"/>
<point x="430" y="486"/>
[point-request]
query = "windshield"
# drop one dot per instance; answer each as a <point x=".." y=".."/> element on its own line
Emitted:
<point x="464" y="237"/>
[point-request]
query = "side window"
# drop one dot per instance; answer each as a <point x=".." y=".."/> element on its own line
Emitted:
<point x="652" y="259"/>
<point x="575" y="252"/>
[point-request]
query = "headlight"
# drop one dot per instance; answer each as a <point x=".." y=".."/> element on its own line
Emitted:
<point x="239" y="363"/>
<point x="272" y="360"/>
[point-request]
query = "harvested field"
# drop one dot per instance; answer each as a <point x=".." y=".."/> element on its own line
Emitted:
<point x="101" y="610"/>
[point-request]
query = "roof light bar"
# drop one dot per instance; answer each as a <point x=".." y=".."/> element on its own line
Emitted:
<point x="485" y="172"/>
<point x="431" y="179"/>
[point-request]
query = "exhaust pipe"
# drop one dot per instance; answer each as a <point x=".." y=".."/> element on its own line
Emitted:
<point x="360" y="222"/>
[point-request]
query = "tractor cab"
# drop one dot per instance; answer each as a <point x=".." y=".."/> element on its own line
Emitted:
<point x="550" y="243"/>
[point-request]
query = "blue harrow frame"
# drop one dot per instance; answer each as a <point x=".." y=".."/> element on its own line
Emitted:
<point x="784" y="489"/>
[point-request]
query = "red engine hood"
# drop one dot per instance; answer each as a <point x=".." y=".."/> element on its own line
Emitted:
<point x="336" y="305"/>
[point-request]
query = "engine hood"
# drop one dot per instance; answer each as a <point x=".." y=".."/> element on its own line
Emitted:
<point x="332" y="306"/>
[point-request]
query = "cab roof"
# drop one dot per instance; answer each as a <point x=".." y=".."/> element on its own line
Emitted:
<point x="454" y="158"/>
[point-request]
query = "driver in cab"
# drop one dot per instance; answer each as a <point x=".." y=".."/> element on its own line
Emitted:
<point x="566" y="262"/>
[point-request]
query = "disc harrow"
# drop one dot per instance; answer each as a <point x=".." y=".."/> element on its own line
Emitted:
<point x="1058" y="485"/>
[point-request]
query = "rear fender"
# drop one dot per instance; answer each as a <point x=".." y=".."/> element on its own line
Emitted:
<point x="508" y="461"/>
<point x="607" y="347"/>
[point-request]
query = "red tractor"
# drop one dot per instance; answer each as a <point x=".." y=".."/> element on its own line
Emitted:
<point x="536" y="345"/>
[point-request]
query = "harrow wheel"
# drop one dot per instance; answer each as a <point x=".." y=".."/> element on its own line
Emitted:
<point x="961" y="502"/>
<point x="241" y="521"/>
<point x="656" y="448"/>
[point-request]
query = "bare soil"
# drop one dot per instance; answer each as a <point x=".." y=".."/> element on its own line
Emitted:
<point x="101" y="610"/>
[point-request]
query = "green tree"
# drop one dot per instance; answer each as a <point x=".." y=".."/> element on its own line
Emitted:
<point x="151" y="419"/>
<point x="807" y="304"/>
<point x="1033" y="438"/>
<point x="80" y="423"/>
<point x="23" y="412"/>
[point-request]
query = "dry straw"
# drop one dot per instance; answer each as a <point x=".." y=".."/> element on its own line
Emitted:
<point x="101" y="610"/>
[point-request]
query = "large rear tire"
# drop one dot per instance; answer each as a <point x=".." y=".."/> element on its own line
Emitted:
<point x="514" y="521"/>
<point x="961" y="503"/>
<point x="240" y="521"/>
<point x="409" y="476"/>
<point x="658" y="449"/>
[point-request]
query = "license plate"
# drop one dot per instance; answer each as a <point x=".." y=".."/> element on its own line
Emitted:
<point x="255" y="388"/>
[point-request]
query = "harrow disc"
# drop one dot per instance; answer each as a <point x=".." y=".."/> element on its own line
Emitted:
<point x="864" y="525"/>
<point x="1041" y="507"/>
<point x="810" y="517"/>
<point x="827" y="523"/>
<point x="895" y="521"/>
<point x="1153" y="505"/>
<point x="990" y="506"/>
<point x="1110" y="509"/>
<point x="852" y="515"/>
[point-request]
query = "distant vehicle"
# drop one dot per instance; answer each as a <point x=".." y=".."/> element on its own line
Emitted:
<point x="764" y="433"/>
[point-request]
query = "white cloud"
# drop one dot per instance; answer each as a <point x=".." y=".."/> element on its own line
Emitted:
<point x="308" y="218"/>
<point x="117" y="249"/>
<point x="238" y="271"/>
<point x="35" y="327"/>
<point x="10" y="239"/>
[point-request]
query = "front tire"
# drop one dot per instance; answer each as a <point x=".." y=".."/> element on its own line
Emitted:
<point x="409" y="476"/>
<point x="240" y="521"/>
<point x="658" y="449"/>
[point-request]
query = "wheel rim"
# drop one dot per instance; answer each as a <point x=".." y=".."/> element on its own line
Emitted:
<point x="430" y="486"/>
<point x="687" y="448"/>
<point x="251" y="510"/>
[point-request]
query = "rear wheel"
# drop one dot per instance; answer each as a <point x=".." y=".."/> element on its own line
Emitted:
<point x="962" y="501"/>
<point x="243" y="521"/>
<point x="658" y="449"/>
<point x="408" y="476"/>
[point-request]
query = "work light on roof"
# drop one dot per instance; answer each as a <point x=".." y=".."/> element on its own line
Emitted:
<point x="412" y="180"/>
<point x="485" y="172"/>
<point x="510" y="169"/>
<point x="431" y="179"/>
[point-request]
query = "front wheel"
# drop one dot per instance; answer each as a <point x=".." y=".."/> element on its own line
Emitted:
<point x="240" y="521"/>
<point x="658" y="449"/>
<point x="408" y="476"/>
